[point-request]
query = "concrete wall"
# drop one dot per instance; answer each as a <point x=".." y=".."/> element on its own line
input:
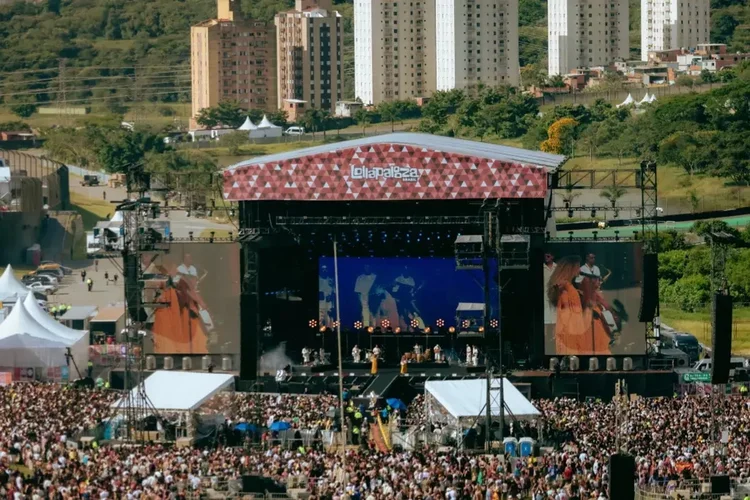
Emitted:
<point x="25" y="228"/>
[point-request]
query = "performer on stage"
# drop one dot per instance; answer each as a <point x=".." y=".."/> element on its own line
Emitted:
<point x="356" y="354"/>
<point x="475" y="356"/>
<point x="306" y="355"/>
<point x="469" y="353"/>
<point x="404" y="364"/>
<point x="550" y="310"/>
<point x="374" y="361"/>
<point x="438" y="353"/>
<point x="417" y="351"/>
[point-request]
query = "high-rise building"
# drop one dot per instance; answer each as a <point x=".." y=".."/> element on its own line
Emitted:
<point x="394" y="49"/>
<point x="476" y="43"/>
<point x="674" y="24"/>
<point x="233" y="58"/>
<point x="309" y="43"/>
<point x="586" y="33"/>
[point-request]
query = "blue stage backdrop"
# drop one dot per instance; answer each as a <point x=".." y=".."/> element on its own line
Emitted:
<point x="398" y="290"/>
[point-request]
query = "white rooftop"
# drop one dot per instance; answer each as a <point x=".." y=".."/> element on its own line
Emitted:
<point x="467" y="398"/>
<point x="180" y="391"/>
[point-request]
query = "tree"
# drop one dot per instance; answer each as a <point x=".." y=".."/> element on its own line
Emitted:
<point x="560" y="136"/>
<point x="227" y="114"/>
<point x="363" y="119"/>
<point x="695" y="200"/>
<point x="685" y="81"/>
<point x="691" y="151"/>
<point x="708" y="76"/>
<point x="312" y="120"/>
<point x="533" y="75"/>
<point x="23" y="109"/>
<point x="234" y="141"/>
<point x="388" y="112"/>
<point x="613" y="193"/>
<point x="704" y="228"/>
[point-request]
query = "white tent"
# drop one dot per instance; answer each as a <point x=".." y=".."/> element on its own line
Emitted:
<point x="266" y="129"/>
<point x="24" y="343"/>
<point x="652" y="98"/>
<point x="77" y="340"/>
<point x="248" y="125"/>
<point x="627" y="102"/>
<point x="117" y="217"/>
<point x="646" y="99"/>
<point x="457" y="401"/>
<point x="179" y="391"/>
<point x="10" y="287"/>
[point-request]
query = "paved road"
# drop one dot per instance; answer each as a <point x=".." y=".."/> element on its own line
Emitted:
<point x="73" y="290"/>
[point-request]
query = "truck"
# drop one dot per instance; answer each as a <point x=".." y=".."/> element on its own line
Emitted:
<point x="90" y="180"/>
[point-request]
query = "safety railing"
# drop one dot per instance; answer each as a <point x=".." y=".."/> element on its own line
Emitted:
<point x="688" y="489"/>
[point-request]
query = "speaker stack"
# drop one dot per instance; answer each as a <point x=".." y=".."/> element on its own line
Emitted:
<point x="721" y="338"/>
<point x="621" y="477"/>
<point x="650" y="290"/>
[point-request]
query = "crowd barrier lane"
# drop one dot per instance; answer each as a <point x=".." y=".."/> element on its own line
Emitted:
<point x="687" y="489"/>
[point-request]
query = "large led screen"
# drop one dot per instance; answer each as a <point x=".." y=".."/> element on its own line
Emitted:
<point x="398" y="290"/>
<point x="193" y="295"/>
<point x="592" y="294"/>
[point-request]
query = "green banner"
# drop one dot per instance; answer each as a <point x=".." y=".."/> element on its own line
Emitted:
<point x="696" y="377"/>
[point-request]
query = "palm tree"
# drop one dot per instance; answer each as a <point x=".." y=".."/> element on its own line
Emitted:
<point x="613" y="193"/>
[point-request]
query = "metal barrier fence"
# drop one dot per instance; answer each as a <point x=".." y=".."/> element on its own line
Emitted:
<point x="688" y="489"/>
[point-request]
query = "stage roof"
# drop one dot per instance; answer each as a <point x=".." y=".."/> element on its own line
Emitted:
<point x="467" y="398"/>
<point x="180" y="391"/>
<point x="401" y="166"/>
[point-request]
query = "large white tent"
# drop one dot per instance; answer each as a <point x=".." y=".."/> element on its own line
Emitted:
<point x="77" y="340"/>
<point x="265" y="129"/>
<point x="462" y="401"/>
<point x="179" y="391"/>
<point x="10" y="287"/>
<point x="248" y="125"/>
<point x="627" y="102"/>
<point x="24" y="343"/>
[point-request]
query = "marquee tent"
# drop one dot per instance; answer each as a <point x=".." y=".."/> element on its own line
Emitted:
<point x="248" y="125"/>
<point x="10" y="287"/>
<point x="25" y="343"/>
<point x="179" y="391"/>
<point x="627" y="102"/>
<point x="646" y="99"/>
<point x="652" y="98"/>
<point x="77" y="340"/>
<point x="265" y="129"/>
<point x="461" y="402"/>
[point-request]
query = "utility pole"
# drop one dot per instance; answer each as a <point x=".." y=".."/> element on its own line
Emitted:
<point x="62" y="110"/>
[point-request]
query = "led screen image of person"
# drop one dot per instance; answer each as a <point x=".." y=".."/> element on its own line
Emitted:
<point x="184" y="324"/>
<point x="581" y="327"/>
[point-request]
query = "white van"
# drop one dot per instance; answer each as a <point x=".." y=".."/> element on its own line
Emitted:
<point x="295" y="131"/>
<point x="704" y="365"/>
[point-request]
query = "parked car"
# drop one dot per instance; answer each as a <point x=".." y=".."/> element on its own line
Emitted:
<point x="54" y="265"/>
<point x="45" y="279"/>
<point x="295" y="131"/>
<point x="90" y="180"/>
<point x="41" y="287"/>
<point x="57" y="273"/>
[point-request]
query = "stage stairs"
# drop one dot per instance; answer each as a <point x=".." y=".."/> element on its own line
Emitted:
<point x="382" y="385"/>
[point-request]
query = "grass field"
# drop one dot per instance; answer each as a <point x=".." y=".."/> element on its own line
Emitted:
<point x="699" y="324"/>
<point x="92" y="210"/>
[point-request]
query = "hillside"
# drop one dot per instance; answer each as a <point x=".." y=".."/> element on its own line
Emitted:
<point x="102" y="40"/>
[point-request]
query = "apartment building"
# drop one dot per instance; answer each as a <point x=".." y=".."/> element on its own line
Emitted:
<point x="233" y="59"/>
<point x="586" y="33"/>
<point x="674" y="24"/>
<point x="394" y="49"/>
<point x="477" y="43"/>
<point x="309" y="43"/>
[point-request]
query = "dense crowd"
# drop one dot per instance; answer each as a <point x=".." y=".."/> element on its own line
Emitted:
<point x="672" y="440"/>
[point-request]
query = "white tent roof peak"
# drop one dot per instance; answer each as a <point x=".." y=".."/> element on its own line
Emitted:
<point x="40" y="316"/>
<point x="266" y="123"/>
<point x="20" y="322"/>
<point x="467" y="398"/>
<point x="646" y="99"/>
<point x="117" y="217"/>
<point x="652" y="98"/>
<point x="10" y="286"/>
<point x="628" y="101"/>
<point x="248" y="125"/>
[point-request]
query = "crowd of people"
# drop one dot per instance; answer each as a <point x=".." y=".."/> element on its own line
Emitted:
<point x="672" y="440"/>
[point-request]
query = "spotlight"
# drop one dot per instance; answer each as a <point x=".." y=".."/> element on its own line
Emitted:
<point x="313" y="323"/>
<point x="481" y="329"/>
<point x="322" y="329"/>
<point x="465" y="323"/>
<point x="335" y="324"/>
<point x="357" y="325"/>
<point x="494" y="323"/>
<point x="385" y="323"/>
<point x="440" y="323"/>
<point x="452" y="329"/>
<point x="370" y="329"/>
<point x="397" y="330"/>
<point x="414" y="323"/>
<point x="427" y="330"/>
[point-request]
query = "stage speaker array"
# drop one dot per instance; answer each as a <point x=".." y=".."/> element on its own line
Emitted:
<point x="650" y="290"/>
<point x="621" y="477"/>
<point x="721" y="338"/>
<point x="720" y="485"/>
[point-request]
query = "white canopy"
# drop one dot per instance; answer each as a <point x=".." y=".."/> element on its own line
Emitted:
<point x="117" y="217"/>
<point x="248" y="125"/>
<point x="10" y="287"/>
<point x="652" y="98"/>
<point x="179" y="391"/>
<point x="40" y="316"/>
<point x="467" y="398"/>
<point x="627" y="102"/>
<point x="646" y="99"/>
<point x="266" y="123"/>
<point x="25" y="343"/>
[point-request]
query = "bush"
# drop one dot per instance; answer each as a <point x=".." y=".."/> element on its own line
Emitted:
<point x="689" y="293"/>
<point x="166" y="111"/>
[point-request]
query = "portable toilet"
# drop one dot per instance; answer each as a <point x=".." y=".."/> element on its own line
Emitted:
<point x="526" y="446"/>
<point x="510" y="445"/>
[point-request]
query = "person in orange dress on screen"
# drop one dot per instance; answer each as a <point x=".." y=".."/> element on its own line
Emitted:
<point x="570" y="326"/>
<point x="181" y="326"/>
<point x="594" y="306"/>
